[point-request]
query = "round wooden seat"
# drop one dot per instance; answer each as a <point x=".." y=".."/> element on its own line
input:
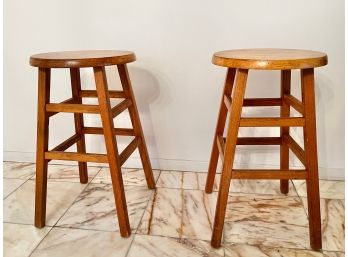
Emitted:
<point x="270" y="59"/>
<point x="79" y="59"/>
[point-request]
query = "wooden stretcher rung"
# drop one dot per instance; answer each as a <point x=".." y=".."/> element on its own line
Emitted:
<point x="117" y="131"/>
<point x="80" y="157"/>
<point x="294" y="103"/>
<point x="72" y="108"/>
<point x="249" y="102"/>
<point x="295" y="148"/>
<point x="272" y="122"/>
<point x="220" y="141"/>
<point x="129" y="150"/>
<point x="93" y="93"/>
<point x="269" y="174"/>
<point x="227" y="101"/>
<point x="116" y="110"/>
<point x="259" y="141"/>
<point x="262" y="102"/>
<point x="67" y="143"/>
<point x="67" y="101"/>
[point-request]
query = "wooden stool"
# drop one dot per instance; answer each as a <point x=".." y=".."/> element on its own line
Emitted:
<point x="74" y="61"/>
<point x="238" y="63"/>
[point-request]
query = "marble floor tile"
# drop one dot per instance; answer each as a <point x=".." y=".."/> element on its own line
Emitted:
<point x="68" y="173"/>
<point x="153" y="246"/>
<point x="20" y="240"/>
<point x="82" y="243"/>
<point x="179" y="213"/>
<point x="198" y="214"/>
<point x="197" y="181"/>
<point x="273" y="221"/>
<point x="163" y="215"/>
<point x="185" y="180"/>
<point x="95" y="208"/>
<point x="19" y="170"/>
<point x="333" y="254"/>
<point x="131" y="177"/>
<point x="11" y="185"/>
<point x="244" y="250"/>
<point x="19" y="206"/>
<point x="332" y="223"/>
<point x="265" y="187"/>
<point x="329" y="189"/>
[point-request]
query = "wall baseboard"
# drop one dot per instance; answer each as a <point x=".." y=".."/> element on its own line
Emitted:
<point x="171" y="164"/>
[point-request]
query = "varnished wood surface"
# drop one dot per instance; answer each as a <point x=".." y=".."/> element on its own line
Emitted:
<point x="270" y="59"/>
<point x="219" y="130"/>
<point x="42" y="147"/>
<point x="79" y="59"/>
<point x="230" y="148"/>
<point x="311" y="158"/>
<point x="112" y="151"/>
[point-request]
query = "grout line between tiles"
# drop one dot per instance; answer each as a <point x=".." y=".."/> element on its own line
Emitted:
<point x="140" y="220"/>
<point x="300" y="197"/>
<point x="24" y="181"/>
<point x="40" y="242"/>
<point x="54" y="225"/>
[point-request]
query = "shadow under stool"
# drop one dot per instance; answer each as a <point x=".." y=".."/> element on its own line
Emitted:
<point x="74" y="60"/>
<point x="238" y="63"/>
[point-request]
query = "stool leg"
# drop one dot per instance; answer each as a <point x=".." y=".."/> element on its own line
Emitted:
<point x="135" y="119"/>
<point x="310" y="147"/>
<point x="284" y="113"/>
<point x="42" y="147"/>
<point x="220" y="126"/>
<point x="78" y="118"/>
<point x="231" y="141"/>
<point x="112" y="152"/>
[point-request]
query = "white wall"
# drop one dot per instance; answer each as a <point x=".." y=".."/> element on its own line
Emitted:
<point x="177" y="87"/>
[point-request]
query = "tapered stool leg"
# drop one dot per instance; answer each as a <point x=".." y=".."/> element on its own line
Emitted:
<point x="284" y="131"/>
<point x="231" y="141"/>
<point x="311" y="157"/>
<point x="135" y="119"/>
<point x="220" y="126"/>
<point x="78" y="118"/>
<point x="42" y="147"/>
<point x="112" y="151"/>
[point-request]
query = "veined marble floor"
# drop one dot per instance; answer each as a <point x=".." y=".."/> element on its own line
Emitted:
<point x="173" y="220"/>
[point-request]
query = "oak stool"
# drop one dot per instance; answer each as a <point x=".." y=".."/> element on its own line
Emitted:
<point x="74" y="60"/>
<point x="238" y="63"/>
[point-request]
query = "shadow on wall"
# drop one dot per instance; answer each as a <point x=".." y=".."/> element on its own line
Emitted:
<point x="146" y="90"/>
<point x="324" y="97"/>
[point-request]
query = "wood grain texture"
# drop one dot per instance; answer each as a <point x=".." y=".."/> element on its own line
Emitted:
<point x="117" y="131"/>
<point x="269" y="174"/>
<point x="270" y="59"/>
<point x="295" y="148"/>
<point x="272" y="122"/>
<point x="93" y="93"/>
<point x="122" y="106"/>
<point x="80" y="59"/>
<point x="80" y="157"/>
<point x="72" y="108"/>
<point x="294" y="103"/>
<point x="285" y="89"/>
<point x="310" y="147"/>
<point x="231" y="141"/>
<point x="135" y="119"/>
<point x="129" y="150"/>
<point x="67" y="143"/>
<point x="112" y="151"/>
<point x="219" y="130"/>
<point x="259" y="141"/>
<point x="79" y="124"/>
<point x="42" y="147"/>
